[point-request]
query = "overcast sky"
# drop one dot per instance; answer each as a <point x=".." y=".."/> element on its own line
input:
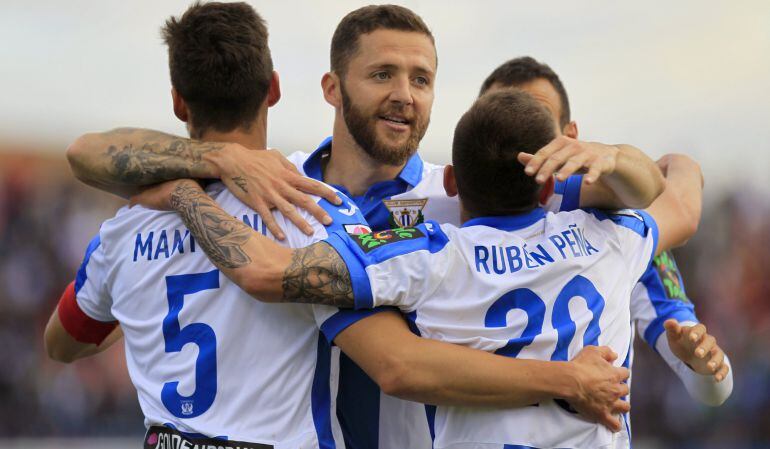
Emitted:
<point x="684" y="76"/>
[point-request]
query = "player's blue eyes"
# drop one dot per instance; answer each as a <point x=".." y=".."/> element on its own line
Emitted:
<point x="422" y="81"/>
<point x="382" y="76"/>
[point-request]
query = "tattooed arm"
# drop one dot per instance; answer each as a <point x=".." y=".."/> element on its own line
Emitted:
<point x="264" y="269"/>
<point x="124" y="160"/>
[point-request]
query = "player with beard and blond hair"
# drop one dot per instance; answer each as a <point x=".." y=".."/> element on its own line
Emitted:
<point x="383" y="68"/>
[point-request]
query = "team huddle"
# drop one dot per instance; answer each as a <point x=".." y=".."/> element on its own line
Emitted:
<point x="358" y="296"/>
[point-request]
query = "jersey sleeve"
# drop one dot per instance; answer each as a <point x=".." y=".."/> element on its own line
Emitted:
<point x="660" y="295"/>
<point x="566" y="195"/>
<point x="394" y="267"/>
<point x="637" y="235"/>
<point x="345" y="218"/>
<point x="84" y="308"/>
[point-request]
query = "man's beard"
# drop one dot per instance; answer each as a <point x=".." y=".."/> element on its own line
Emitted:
<point x="362" y="128"/>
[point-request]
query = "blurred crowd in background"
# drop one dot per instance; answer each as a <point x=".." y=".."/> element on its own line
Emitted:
<point x="47" y="219"/>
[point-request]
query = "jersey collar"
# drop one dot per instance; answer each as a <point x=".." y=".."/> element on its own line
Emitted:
<point x="510" y="222"/>
<point x="410" y="174"/>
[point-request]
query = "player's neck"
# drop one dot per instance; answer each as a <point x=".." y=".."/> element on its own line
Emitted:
<point x="349" y="166"/>
<point x="254" y="138"/>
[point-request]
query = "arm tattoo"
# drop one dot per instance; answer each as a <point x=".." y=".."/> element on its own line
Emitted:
<point x="161" y="157"/>
<point x="317" y="274"/>
<point x="221" y="236"/>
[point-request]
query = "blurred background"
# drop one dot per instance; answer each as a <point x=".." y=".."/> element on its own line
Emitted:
<point x="690" y="76"/>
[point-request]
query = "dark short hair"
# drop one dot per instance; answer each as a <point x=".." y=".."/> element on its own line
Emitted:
<point x="220" y="63"/>
<point x="366" y="20"/>
<point x="526" y="69"/>
<point x="487" y="141"/>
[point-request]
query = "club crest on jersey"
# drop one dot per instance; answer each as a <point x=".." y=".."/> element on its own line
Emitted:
<point x="405" y="213"/>
<point x="669" y="275"/>
<point x="369" y="242"/>
<point x="187" y="408"/>
<point x="357" y="229"/>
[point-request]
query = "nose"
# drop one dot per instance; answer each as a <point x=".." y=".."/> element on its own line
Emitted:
<point x="402" y="91"/>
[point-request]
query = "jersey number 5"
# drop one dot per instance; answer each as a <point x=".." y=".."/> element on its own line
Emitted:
<point x="175" y="336"/>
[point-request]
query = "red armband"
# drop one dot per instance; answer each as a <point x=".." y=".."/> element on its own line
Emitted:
<point x="80" y="326"/>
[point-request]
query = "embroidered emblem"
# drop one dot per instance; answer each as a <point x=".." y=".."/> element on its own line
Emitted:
<point x="406" y="213"/>
<point x="369" y="242"/>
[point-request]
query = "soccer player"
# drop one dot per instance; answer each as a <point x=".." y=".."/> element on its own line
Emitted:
<point x="659" y="304"/>
<point x="263" y="376"/>
<point x="460" y="284"/>
<point x="383" y="65"/>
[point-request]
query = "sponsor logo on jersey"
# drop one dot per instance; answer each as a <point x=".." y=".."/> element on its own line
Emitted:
<point x="405" y="213"/>
<point x="357" y="229"/>
<point x="369" y="242"/>
<point x="670" y="277"/>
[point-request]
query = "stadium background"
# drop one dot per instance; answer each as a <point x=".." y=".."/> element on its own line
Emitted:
<point x="690" y="77"/>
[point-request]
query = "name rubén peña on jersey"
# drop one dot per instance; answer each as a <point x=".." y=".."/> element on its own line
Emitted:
<point x="569" y="243"/>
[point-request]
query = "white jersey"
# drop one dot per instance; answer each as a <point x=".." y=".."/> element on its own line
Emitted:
<point x="372" y="419"/>
<point x="205" y="357"/>
<point x="538" y="286"/>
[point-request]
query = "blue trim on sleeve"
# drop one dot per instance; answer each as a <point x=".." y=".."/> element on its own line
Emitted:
<point x="320" y="396"/>
<point x="638" y="221"/>
<point x="665" y="307"/>
<point x="434" y="241"/>
<point x="569" y="189"/>
<point x="344" y="318"/>
<point x="82" y="276"/>
<point x="362" y="289"/>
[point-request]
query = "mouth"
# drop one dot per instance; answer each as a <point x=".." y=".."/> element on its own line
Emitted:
<point x="395" y="122"/>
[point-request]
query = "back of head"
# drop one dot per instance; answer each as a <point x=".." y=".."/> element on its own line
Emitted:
<point x="526" y="69"/>
<point x="220" y="64"/>
<point x="366" y="20"/>
<point x="487" y="141"/>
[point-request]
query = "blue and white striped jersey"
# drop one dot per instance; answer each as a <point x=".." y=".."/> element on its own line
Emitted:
<point x="205" y="357"/>
<point x="538" y="285"/>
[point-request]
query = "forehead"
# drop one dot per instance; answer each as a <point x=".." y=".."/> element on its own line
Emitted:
<point x="543" y="91"/>
<point x="394" y="47"/>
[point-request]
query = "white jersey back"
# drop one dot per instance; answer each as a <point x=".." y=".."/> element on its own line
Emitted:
<point x="537" y="286"/>
<point x="204" y="356"/>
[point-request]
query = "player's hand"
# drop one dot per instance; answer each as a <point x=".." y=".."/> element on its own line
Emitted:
<point x="264" y="180"/>
<point x="697" y="348"/>
<point x="565" y="156"/>
<point x="600" y="386"/>
<point x="158" y="196"/>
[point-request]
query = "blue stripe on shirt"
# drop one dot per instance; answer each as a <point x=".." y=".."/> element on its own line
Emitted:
<point x="82" y="276"/>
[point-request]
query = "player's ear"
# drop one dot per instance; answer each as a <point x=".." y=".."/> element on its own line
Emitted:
<point x="180" y="107"/>
<point x="450" y="184"/>
<point x="330" y="84"/>
<point x="274" y="91"/>
<point x="570" y="130"/>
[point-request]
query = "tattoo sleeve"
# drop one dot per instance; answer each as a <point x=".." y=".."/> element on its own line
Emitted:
<point x="221" y="236"/>
<point x="160" y="157"/>
<point x="317" y="274"/>
<point x="136" y="157"/>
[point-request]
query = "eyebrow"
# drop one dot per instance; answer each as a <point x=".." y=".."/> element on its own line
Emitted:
<point x="419" y="69"/>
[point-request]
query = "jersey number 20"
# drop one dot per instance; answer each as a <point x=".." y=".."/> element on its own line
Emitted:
<point x="175" y="336"/>
<point x="526" y="300"/>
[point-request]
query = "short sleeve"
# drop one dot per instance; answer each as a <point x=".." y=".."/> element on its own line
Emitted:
<point x="346" y="217"/>
<point x="660" y="295"/>
<point x="394" y="267"/>
<point x="91" y="291"/>
<point x="638" y="237"/>
<point x="566" y="195"/>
